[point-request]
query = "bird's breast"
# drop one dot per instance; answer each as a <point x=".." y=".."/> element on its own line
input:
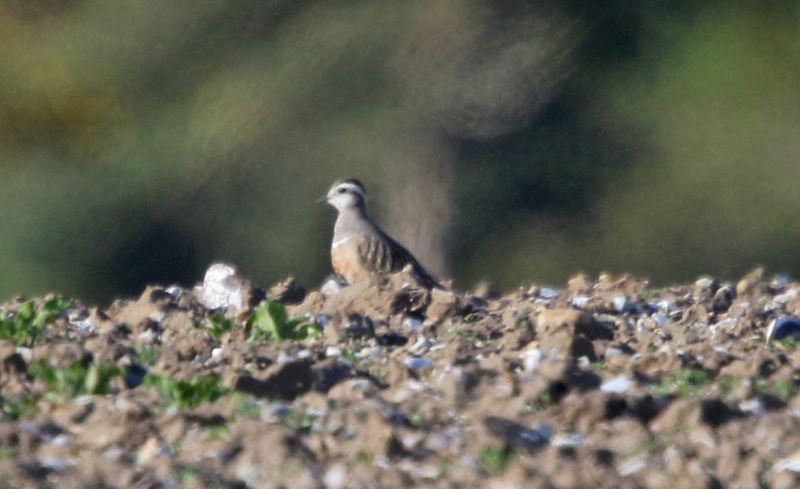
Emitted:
<point x="347" y="263"/>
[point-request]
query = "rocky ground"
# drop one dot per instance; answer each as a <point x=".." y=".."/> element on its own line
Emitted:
<point x="604" y="383"/>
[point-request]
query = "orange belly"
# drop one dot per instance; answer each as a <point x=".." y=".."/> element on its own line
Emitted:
<point x="346" y="263"/>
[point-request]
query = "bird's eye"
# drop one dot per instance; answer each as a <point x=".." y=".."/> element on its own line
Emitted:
<point x="342" y="190"/>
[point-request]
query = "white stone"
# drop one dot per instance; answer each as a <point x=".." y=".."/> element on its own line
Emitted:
<point x="631" y="466"/>
<point x="221" y="288"/>
<point x="617" y="385"/>
<point x="336" y="477"/>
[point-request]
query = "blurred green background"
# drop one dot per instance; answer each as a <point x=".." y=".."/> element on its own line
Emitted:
<point x="511" y="141"/>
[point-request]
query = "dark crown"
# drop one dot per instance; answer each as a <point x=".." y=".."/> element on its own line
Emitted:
<point x="351" y="181"/>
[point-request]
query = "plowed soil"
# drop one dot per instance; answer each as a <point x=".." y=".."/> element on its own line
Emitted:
<point x="603" y="383"/>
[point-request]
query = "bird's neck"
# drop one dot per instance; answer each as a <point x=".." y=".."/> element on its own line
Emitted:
<point x="348" y="221"/>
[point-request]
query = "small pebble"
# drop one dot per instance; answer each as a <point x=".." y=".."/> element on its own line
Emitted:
<point x="548" y="293"/>
<point x="175" y="291"/>
<point x="421" y="346"/>
<point x="617" y="385"/>
<point x="579" y="301"/>
<point x="284" y="358"/>
<point x="418" y="363"/>
<point x="568" y="440"/>
<point x="413" y="324"/>
<point x="632" y="465"/>
<point x="531" y="359"/>
<point x="336" y="477"/>
<point x="57" y="464"/>
<point x="622" y="305"/>
<point x="754" y="406"/>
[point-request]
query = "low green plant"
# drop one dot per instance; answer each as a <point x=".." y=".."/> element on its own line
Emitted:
<point x="76" y="380"/>
<point x="300" y="419"/>
<point x="247" y="405"/>
<point x="541" y="402"/>
<point x="362" y="458"/>
<point x="8" y="453"/>
<point x="218" y="432"/>
<point x="270" y="321"/>
<point x="19" y="407"/>
<point x="728" y="384"/>
<point x="148" y="355"/>
<point x="351" y="351"/>
<point x="350" y="354"/>
<point x="788" y="343"/>
<point x="218" y="325"/>
<point x="783" y="389"/>
<point x="62" y="383"/>
<point x="417" y="420"/>
<point x="187" y="393"/>
<point x="466" y="335"/>
<point x="495" y="459"/>
<point x="26" y="326"/>
<point x="377" y="373"/>
<point x="683" y="384"/>
<point x="188" y="474"/>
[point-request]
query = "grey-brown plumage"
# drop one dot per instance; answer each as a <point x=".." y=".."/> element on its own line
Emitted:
<point x="360" y="250"/>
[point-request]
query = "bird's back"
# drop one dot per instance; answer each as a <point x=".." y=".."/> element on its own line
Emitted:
<point x="360" y="248"/>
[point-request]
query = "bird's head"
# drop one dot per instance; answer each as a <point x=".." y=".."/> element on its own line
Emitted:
<point x="345" y="194"/>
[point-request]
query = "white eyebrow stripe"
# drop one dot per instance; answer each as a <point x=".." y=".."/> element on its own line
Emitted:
<point x="353" y="187"/>
<point x="340" y="242"/>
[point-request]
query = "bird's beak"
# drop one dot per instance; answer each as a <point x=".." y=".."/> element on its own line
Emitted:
<point x="322" y="200"/>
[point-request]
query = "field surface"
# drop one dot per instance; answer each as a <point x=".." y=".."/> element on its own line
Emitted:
<point x="604" y="382"/>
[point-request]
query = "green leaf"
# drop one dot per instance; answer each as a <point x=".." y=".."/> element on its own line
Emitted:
<point x="495" y="459"/>
<point x="26" y="312"/>
<point x="219" y="324"/>
<point x="76" y="380"/>
<point x="148" y="354"/>
<point x="99" y="377"/>
<point x="15" y="408"/>
<point x="684" y="383"/>
<point x="309" y="330"/>
<point x="264" y="322"/>
<point x="27" y="325"/>
<point x="50" y="311"/>
<point x="187" y="393"/>
<point x="270" y="321"/>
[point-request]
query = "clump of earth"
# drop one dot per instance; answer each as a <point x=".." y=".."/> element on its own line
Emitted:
<point x="604" y="382"/>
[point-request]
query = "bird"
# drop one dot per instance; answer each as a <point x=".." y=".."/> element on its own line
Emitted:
<point x="360" y="249"/>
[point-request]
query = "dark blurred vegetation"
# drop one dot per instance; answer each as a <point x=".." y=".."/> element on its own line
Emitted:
<point x="512" y="141"/>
